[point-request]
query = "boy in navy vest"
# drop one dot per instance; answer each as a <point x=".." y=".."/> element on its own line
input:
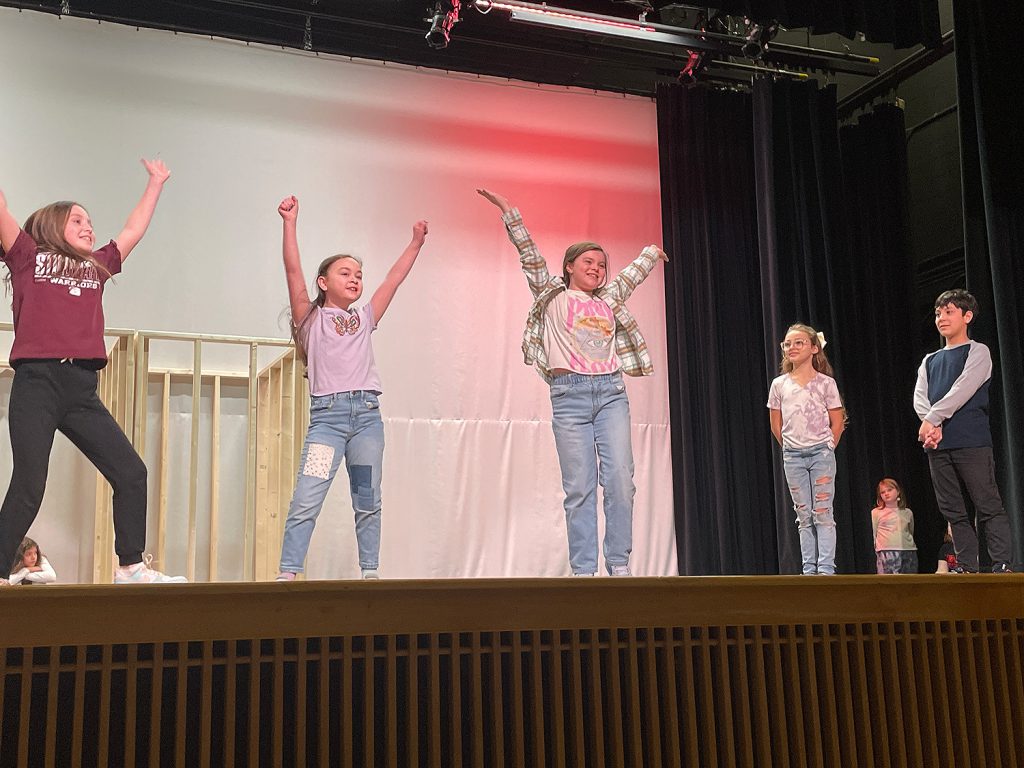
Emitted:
<point x="951" y="399"/>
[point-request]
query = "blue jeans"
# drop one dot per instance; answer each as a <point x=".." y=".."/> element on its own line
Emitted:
<point x="811" y="474"/>
<point x="590" y="419"/>
<point x="345" y="424"/>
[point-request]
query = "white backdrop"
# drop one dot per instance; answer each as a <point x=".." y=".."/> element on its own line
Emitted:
<point x="471" y="483"/>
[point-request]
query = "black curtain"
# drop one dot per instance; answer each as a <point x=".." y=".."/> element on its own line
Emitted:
<point x="881" y="351"/>
<point x="903" y="23"/>
<point x="721" y="460"/>
<point x="767" y="229"/>
<point x="989" y="81"/>
<point x="802" y="238"/>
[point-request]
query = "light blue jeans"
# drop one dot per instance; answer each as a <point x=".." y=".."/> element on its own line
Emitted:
<point x="590" y="419"/>
<point x="345" y="424"/>
<point x="811" y="474"/>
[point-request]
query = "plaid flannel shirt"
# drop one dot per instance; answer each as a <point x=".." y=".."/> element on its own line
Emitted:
<point x="629" y="342"/>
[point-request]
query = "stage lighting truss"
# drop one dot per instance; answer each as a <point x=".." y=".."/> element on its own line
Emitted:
<point x="702" y="47"/>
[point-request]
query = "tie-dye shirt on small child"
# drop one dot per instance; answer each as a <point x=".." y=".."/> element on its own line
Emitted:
<point x="579" y="334"/>
<point x="805" y="420"/>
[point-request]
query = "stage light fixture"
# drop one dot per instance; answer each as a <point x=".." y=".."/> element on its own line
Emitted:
<point x="695" y="64"/>
<point x="757" y="38"/>
<point x="444" y="16"/>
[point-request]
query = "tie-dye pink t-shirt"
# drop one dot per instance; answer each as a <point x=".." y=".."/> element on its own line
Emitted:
<point x="805" y="419"/>
<point x="579" y="334"/>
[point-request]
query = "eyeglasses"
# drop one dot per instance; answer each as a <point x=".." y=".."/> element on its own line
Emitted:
<point x="794" y="344"/>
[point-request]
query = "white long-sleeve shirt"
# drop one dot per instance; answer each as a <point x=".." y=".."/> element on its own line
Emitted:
<point x="45" y="576"/>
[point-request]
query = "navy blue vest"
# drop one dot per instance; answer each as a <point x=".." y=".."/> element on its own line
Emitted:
<point x="968" y="427"/>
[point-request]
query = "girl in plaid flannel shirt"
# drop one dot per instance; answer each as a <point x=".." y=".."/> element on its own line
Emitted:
<point x="581" y="338"/>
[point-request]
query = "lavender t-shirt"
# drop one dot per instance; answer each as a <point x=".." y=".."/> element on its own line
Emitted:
<point x="805" y="420"/>
<point x="339" y="354"/>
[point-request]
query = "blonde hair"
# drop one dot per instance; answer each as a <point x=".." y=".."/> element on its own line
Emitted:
<point x="819" y="361"/>
<point x="901" y="502"/>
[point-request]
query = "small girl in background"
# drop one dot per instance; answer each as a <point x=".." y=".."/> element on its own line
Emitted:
<point x="333" y="335"/>
<point x="807" y="419"/>
<point x="30" y="567"/>
<point x="892" y="524"/>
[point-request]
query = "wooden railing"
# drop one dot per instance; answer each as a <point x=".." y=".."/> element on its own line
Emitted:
<point x="277" y="416"/>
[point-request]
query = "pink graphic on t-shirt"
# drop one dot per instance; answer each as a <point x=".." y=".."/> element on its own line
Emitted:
<point x="590" y="324"/>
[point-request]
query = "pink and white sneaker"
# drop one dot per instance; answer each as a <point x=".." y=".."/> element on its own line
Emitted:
<point x="141" y="573"/>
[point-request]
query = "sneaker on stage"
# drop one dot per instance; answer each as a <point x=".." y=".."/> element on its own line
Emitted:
<point x="141" y="573"/>
<point x="621" y="570"/>
<point x="1002" y="568"/>
<point x="286" y="576"/>
<point x="371" y="574"/>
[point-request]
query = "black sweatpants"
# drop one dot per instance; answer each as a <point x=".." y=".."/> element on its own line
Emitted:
<point x="47" y="396"/>
<point x="976" y="469"/>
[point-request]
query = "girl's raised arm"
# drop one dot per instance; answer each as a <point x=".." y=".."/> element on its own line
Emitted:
<point x="138" y="220"/>
<point x="534" y="266"/>
<point x="9" y="229"/>
<point x="498" y="200"/>
<point x="298" y="297"/>
<point x="386" y="292"/>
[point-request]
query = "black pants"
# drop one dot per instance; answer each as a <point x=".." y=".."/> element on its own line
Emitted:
<point x="45" y="397"/>
<point x="975" y="468"/>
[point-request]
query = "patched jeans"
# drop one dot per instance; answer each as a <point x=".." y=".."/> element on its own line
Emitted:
<point x="345" y="424"/>
<point x="590" y="419"/>
<point x="810" y="474"/>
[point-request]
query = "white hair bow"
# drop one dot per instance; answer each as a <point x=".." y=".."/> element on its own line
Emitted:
<point x="821" y="340"/>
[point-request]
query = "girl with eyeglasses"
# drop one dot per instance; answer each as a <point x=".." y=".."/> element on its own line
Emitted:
<point x="807" y="419"/>
<point x="333" y="336"/>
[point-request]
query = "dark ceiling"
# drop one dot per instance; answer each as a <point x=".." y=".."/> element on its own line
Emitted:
<point x="394" y="30"/>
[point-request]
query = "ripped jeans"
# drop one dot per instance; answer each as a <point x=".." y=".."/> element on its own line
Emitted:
<point x="345" y="424"/>
<point x="810" y="473"/>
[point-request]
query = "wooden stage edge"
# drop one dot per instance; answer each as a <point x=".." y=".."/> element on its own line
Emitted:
<point x="86" y="614"/>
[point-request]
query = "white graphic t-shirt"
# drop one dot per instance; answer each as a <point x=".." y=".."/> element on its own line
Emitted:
<point x="579" y="334"/>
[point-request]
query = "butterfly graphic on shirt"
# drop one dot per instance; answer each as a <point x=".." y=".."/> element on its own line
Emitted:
<point x="345" y="325"/>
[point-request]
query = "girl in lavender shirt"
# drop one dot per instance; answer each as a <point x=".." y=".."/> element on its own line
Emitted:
<point x="807" y="418"/>
<point x="344" y="414"/>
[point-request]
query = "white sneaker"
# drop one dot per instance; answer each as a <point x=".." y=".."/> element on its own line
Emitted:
<point x="621" y="570"/>
<point x="370" y="574"/>
<point x="583" y="574"/>
<point x="141" y="573"/>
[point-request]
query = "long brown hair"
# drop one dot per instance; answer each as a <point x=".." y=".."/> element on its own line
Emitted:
<point x="321" y="297"/>
<point x="19" y="556"/>
<point x="46" y="227"/>
<point x="819" y="361"/>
